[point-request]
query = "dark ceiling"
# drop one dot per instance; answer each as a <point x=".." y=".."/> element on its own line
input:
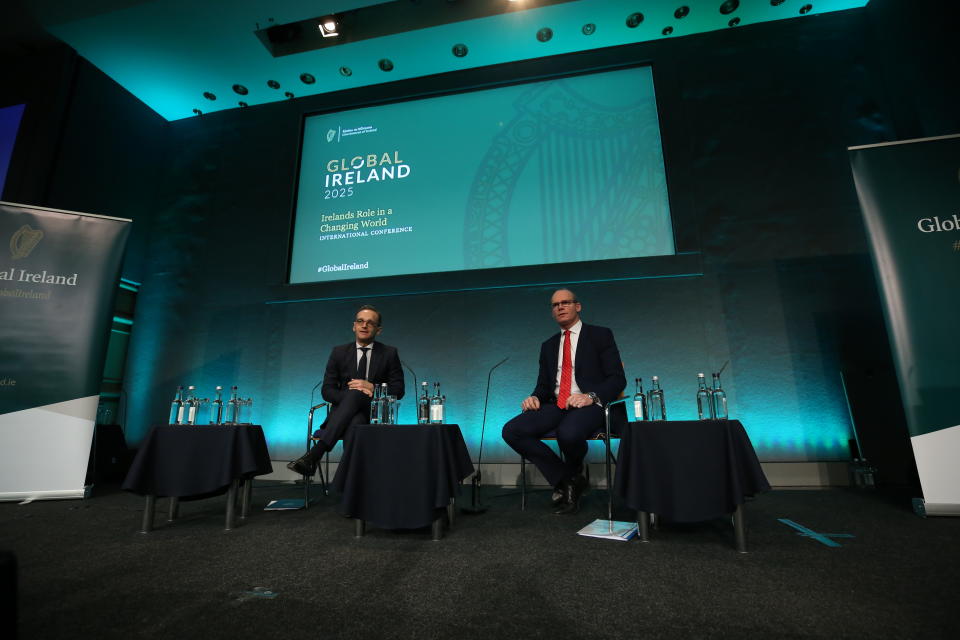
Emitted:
<point x="184" y="56"/>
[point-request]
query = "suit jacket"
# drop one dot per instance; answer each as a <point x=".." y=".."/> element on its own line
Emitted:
<point x="342" y="367"/>
<point x="597" y="368"/>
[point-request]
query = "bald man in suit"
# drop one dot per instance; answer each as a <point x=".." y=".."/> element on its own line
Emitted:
<point x="580" y="372"/>
<point x="353" y="370"/>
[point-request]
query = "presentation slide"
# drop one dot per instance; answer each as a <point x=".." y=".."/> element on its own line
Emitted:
<point x="9" y="123"/>
<point x="554" y="171"/>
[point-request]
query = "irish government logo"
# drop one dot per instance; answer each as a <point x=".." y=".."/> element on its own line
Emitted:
<point x="23" y="241"/>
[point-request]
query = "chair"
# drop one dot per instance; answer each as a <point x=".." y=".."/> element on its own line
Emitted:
<point x="311" y="440"/>
<point x="605" y="434"/>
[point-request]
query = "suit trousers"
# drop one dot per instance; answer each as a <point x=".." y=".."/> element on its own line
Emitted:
<point x="573" y="428"/>
<point x="353" y="408"/>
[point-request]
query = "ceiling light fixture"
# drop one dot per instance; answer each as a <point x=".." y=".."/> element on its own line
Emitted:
<point x="729" y="6"/>
<point x="328" y="27"/>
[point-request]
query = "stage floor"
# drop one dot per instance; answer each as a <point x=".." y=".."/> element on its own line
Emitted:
<point x="85" y="572"/>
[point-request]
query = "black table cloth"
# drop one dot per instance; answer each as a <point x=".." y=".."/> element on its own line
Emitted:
<point x="687" y="471"/>
<point x="182" y="460"/>
<point x="401" y="476"/>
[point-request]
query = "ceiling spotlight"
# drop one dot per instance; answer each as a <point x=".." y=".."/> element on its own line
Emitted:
<point x="328" y="27"/>
<point x="544" y="34"/>
<point x="459" y="50"/>
<point x="198" y="112"/>
<point x="346" y="71"/>
<point x="239" y="89"/>
<point x="681" y="12"/>
<point x="288" y="94"/>
<point x="385" y="65"/>
<point x="733" y="22"/>
<point x="729" y="6"/>
<point x="307" y="78"/>
<point x="634" y="20"/>
<point x="805" y="9"/>
<point x="209" y="96"/>
<point x="589" y="29"/>
<point x="273" y="84"/>
<point x="667" y="31"/>
<point x="242" y="104"/>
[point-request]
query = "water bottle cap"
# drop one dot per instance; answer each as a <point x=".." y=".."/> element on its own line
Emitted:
<point x="656" y="377"/>
<point x="700" y="375"/>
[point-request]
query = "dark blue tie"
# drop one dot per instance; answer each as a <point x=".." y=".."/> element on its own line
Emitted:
<point x="362" y="365"/>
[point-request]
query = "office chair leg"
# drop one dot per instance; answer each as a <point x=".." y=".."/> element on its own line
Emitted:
<point x="326" y="489"/>
<point x="306" y="491"/>
<point x="523" y="484"/>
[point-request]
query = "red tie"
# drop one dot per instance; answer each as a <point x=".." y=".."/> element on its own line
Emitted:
<point x="566" y="372"/>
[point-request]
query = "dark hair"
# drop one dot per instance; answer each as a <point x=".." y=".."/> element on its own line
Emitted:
<point x="370" y="307"/>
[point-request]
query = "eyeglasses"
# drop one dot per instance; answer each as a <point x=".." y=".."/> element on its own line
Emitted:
<point x="563" y="303"/>
<point x="371" y="323"/>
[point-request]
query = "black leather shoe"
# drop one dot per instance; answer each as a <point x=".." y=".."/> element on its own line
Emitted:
<point x="572" y="490"/>
<point x="302" y="465"/>
<point x="558" y="498"/>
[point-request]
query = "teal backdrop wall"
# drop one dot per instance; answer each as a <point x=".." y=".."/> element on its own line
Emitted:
<point x="756" y="122"/>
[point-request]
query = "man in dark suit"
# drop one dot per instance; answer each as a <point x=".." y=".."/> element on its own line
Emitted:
<point x="353" y="370"/>
<point x="580" y="372"/>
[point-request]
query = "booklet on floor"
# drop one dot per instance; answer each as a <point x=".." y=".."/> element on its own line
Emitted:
<point x="610" y="530"/>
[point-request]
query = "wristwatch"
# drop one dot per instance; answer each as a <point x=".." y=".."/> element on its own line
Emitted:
<point x="595" y="399"/>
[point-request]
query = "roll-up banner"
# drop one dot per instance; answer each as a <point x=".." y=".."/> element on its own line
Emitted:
<point x="58" y="279"/>
<point x="910" y="196"/>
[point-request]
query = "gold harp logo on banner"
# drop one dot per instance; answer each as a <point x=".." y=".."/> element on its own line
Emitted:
<point x="24" y="240"/>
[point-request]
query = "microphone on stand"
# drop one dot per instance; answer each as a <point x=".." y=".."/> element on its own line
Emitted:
<point x="414" y="388"/>
<point x="475" y="507"/>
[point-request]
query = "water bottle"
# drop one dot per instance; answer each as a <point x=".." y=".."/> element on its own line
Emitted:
<point x="705" y="409"/>
<point x="639" y="402"/>
<point x="384" y="404"/>
<point x="190" y="413"/>
<point x="176" y="407"/>
<point x="376" y="403"/>
<point x="423" y="404"/>
<point x="216" y="407"/>
<point x="655" y="401"/>
<point x="719" y="397"/>
<point x="242" y="417"/>
<point x="233" y="407"/>
<point x="436" y="405"/>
